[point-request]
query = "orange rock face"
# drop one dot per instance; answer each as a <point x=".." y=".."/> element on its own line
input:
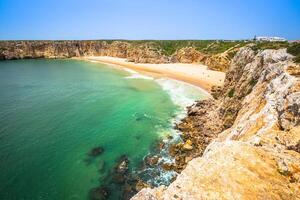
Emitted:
<point x="66" y="49"/>
<point x="188" y="55"/>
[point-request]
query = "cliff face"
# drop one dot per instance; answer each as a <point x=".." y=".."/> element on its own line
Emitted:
<point x="252" y="132"/>
<point x="141" y="53"/>
<point x="66" y="49"/>
<point x="218" y="62"/>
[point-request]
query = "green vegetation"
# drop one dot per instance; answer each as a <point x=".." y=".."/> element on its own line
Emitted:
<point x="269" y="45"/>
<point x="294" y="49"/>
<point x="211" y="47"/>
<point x="231" y="93"/>
<point x="253" y="82"/>
<point x="221" y="46"/>
<point x="169" y="47"/>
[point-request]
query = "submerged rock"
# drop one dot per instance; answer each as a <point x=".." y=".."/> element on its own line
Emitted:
<point x="99" y="193"/>
<point x="151" y="160"/>
<point x="96" y="151"/>
<point x="122" y="166"/>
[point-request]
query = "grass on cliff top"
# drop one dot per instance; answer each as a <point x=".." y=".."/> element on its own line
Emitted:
<point x="294" y="49"/>
<point x="211" y="47"/>
<point x="269" y="45"/>
<point x="169" y="47"/>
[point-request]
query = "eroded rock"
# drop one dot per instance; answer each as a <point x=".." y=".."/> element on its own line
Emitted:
<point x="246" y="141"/>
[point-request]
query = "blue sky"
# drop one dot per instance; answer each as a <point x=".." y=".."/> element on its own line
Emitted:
<point x="148" y="19"/>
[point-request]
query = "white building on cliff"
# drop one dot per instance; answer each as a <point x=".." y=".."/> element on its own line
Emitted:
<point x="270" y="39"/>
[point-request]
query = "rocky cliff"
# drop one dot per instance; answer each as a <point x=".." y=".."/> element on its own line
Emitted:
<point x="143" y="52"/>
<point x="245" y="144"/>
<point x="217" y="61"/>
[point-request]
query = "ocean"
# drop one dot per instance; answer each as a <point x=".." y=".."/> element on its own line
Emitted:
<point x="54" y="112"/>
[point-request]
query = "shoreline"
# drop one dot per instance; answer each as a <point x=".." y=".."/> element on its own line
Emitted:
<point x="195" y="74"/>
<point x="160" y="160"/>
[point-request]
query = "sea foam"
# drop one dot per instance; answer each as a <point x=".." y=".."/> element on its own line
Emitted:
<point x="182" y="94"/>
<point x="136" y="75"/>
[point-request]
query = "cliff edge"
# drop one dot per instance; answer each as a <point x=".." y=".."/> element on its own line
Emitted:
<point x="252" y="132"/>
<point x="134" y="51"/>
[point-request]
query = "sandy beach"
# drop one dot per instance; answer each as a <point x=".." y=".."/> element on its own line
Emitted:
<point x="195" y="74"/>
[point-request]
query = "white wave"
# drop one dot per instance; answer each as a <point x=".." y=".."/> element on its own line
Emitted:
<point x="94" y="61"/>
<point x="182" y="94"/>
<point x="136" y="75"/>
<point x="130" y="71"/>
<point x="139" y="76"/>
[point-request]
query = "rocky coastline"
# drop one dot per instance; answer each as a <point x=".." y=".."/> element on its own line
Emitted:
<point x="243" y="144"/>
<point x="145" y="52"/>
<point x="248" y="135"/>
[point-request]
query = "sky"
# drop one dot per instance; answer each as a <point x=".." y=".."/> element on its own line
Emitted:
<point x="148" y="19"/>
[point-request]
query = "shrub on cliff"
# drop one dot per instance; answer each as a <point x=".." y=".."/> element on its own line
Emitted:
<point x="294" y="49"/>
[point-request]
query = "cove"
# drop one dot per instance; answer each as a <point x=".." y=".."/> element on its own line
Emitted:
<point x="54" y="112"/>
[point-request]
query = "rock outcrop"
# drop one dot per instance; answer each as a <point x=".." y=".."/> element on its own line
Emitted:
<point x="144" y="53"/>
<point x="188" y="55"/>
<point x="246" y="141"/>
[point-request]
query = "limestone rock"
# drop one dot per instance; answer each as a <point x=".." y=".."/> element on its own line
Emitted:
<point x="188" y="145"/>
<point x="188" y="55"/>
<point x="252" y="135"/>
<point x="67" y="49"/>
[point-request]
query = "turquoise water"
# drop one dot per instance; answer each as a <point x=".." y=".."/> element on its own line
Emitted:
<point x="53" y="112"/>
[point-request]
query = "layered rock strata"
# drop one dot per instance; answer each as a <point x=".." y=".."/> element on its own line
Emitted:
<point x="66" y="49"/>
<point x="143" y="53"/>
<point x="245" y="144"/>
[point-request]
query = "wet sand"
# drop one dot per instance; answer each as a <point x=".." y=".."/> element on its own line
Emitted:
<point x="195" y="74"/>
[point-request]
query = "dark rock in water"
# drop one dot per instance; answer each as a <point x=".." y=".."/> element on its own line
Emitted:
<point x="167" y="166"/>
<point x="161" y="145"/>
<point x="170" y="137"/>
<point x="119" y="174"/>
<point x="96" y="151"/>
<point x="174" y="149"/>
<point x="157" y="146"/>
<point x="128" y="191"/>
<point x="151" y="160"/>
<point x="122" y="166"/>
<point x="141" y="116"/>
<point x="119" y="178"/>
<point x="99" y="193"/>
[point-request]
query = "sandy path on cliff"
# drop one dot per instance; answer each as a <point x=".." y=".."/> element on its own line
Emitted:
<point x="195" y="74"/>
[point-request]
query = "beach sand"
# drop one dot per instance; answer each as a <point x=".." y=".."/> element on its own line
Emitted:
<point x="195" y="74"/>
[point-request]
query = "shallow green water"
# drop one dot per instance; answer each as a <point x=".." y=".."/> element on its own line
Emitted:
<point x="52" y="112"/>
